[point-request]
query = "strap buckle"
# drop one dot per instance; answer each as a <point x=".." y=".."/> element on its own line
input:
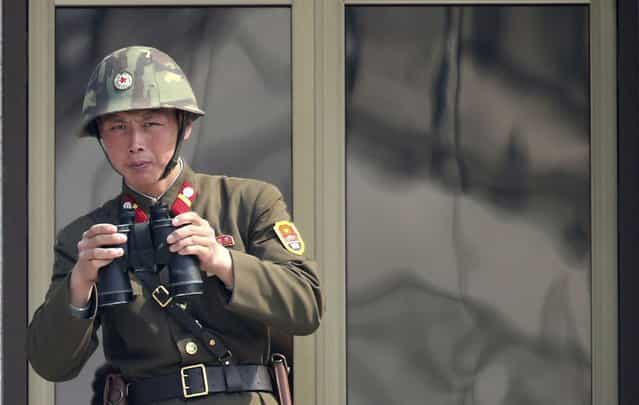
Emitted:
<point x="162" y="296"/>
<point x="189" y="390"/>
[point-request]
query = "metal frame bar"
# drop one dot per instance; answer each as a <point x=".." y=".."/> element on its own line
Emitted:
<point x="603" y="175"/>
<point x="305" y="187"/>
<point x="460" y="2"/>
<point x="628" y="194"/>
<point x="184" y="3"/>
<point x="14" y="194"/>
<point x="331" y="203"/>
<point x="41" y="169"/>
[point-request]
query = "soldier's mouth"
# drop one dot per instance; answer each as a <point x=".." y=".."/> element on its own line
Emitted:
<point x="140" y="165"/>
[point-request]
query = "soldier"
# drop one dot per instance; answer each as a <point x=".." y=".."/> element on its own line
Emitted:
<point x="212" y="346"/>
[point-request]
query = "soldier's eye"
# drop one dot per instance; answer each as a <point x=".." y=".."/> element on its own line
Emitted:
<point x="118" y="127"/>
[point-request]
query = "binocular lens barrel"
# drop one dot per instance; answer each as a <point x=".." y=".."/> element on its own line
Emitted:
<point x="114" y="285"/>
<point x="184" y="271"/>
<point x="184" y="276"/>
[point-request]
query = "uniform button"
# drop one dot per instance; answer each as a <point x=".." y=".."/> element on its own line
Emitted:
<point x="191" y="348"/>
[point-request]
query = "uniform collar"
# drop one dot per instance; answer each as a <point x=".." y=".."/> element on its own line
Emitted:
<point x="145" y="201"/>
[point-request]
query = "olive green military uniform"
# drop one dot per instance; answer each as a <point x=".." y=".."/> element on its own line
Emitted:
<point x="274" y="289"/>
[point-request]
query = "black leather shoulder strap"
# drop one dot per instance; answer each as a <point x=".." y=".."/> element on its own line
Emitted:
<point x="162" y="297"/>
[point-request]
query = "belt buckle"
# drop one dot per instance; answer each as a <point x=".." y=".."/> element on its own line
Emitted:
<point x="186" y="389"/>
<point x="162" y="296"/>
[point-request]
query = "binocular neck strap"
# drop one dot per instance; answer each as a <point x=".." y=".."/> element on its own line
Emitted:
<point x="162" y="297"/>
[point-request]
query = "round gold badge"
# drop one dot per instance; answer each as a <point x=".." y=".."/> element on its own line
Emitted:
<point x="191" y="348"/>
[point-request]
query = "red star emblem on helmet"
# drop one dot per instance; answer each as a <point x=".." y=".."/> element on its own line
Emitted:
<point x="123" y="80"/>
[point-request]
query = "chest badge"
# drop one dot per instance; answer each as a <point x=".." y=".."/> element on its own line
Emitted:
<point x="289" y="236"/>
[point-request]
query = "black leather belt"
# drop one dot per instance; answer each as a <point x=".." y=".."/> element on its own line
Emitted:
<point x="200" y="380"/>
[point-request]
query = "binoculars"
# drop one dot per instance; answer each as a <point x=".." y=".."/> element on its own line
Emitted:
<point x="146" y="249"/>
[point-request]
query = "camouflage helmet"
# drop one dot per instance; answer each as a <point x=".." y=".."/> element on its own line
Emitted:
<point x="133" y="78"/>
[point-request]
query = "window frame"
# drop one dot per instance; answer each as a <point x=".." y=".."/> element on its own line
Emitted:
<point x="318" y="177"/>
<point x="603" y="174"/>
<point x="41" y="155"/>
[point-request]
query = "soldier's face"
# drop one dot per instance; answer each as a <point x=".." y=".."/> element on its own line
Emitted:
<point x="139" y="144"/>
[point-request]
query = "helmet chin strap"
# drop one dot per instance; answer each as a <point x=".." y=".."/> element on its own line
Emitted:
<point x="178" y="145"/>
<point x="94" y="130"/>
<point x="106" y="155"/>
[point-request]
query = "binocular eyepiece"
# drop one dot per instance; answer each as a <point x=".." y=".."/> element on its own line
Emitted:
<point x="146" y="249"/>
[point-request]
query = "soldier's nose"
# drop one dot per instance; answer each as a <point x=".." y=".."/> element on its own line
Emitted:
<point x="137" y="142"/>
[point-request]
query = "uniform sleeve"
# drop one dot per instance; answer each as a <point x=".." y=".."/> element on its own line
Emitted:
<point x="272" y="285"/>
<point x="58" y="342"/>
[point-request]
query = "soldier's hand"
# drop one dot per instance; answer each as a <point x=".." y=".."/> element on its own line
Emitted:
<point x="93" y="254"/>
<point x="196" y="237"/>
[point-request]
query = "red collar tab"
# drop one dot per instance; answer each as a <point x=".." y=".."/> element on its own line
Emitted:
<point x="182" y="203"/>
<point x="184" y="199"/>
<point x="129" y="202"/>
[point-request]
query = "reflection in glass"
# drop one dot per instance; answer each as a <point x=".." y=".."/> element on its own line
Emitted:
<point x="468" y="203"/>
<point x="238" y="61"/>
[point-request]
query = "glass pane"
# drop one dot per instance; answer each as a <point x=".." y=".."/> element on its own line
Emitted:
<point x="468" y="205"/>
<point x="238" y="60"/>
